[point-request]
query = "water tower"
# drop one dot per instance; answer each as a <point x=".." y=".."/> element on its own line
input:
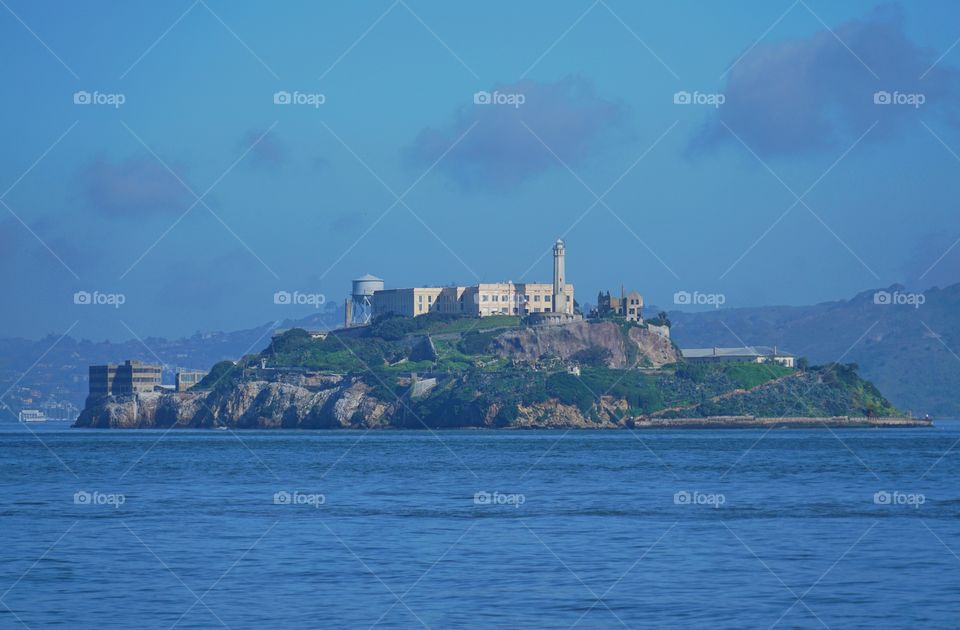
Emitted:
<point x="359" y="307"/>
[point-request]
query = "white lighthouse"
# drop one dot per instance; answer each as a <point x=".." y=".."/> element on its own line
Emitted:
<point x="559" y="278"/>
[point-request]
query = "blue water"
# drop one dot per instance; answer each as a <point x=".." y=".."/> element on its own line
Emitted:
<point x="782" y="528"/>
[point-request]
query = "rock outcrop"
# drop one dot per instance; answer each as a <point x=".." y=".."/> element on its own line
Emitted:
<point x="248" y="405"/>
<point x="637" y="346"/>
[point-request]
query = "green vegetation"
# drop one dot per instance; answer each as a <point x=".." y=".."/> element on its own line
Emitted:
<point x="660" y="320"/>
<point x="221" y="377"/>
<point x="476" y="388"/>
<point x="394" y="327"/>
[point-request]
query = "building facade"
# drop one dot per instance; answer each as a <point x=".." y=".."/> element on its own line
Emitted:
<point x="748" y="354"/>
<point x="188" y="378"/>
<point x="478" y="300"/>
<point x="483" y="299"/>
<point x="128" y="378"/>
<point x="628" y="305"/>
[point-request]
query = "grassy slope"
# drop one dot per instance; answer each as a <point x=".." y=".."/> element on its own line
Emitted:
<point x="379" y="356"/>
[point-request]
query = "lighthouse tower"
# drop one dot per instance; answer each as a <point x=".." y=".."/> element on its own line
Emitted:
<point x="559" y="278"/>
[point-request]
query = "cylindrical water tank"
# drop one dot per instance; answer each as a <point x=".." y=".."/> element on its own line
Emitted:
<point x="366" y="285"/>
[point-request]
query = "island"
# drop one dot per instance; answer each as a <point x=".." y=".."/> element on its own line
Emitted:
<point x="448" y="371"/>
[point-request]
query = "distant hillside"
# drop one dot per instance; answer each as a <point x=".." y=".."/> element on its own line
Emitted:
<point x="912" y="354"/>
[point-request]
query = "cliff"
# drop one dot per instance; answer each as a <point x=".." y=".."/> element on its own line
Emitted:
<point x="520" y="399"/>
<point x="248" y="405"/>
<point x="607" y="343"/>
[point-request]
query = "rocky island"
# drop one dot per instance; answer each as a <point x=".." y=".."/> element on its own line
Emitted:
<point x="443" y="371"/>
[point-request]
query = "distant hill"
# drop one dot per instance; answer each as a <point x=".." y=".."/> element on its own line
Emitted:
<point x="911" y="353"/>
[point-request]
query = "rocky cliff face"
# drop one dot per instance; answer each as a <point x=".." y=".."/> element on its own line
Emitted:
<point x="638" y="346"/>
<point x="350" y="405"/>
<point x="249" y="405"/>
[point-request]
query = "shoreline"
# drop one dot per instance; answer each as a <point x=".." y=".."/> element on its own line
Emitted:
<point x="786" y="422"/>
<point x="709" y="422"/>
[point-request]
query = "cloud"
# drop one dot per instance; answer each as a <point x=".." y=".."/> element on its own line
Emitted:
<point x="269" y="152"/>
<point x="133" y="187"/>
<point x="807" y="95"/>
<point x="500" y="152"/>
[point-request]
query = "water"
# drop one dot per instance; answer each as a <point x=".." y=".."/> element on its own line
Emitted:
<point x="781" y="528"/>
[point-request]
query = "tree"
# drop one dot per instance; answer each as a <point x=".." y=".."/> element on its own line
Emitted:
<point x="660" y="320"/>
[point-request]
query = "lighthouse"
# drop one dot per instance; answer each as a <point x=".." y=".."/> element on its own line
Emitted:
<point x="559" y="278"/>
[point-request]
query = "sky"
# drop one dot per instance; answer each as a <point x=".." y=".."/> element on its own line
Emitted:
<point x="168" y="167"/>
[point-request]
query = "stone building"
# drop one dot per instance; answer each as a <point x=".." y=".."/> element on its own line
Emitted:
<point x="628" y="305"/>
<point x="484" y="299"/>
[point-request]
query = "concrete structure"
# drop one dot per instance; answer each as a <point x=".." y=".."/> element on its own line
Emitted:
<point x="128" y="378"/>
<point x="561" y="299"/>
<point x="358" y="309"/>
<point x="317" y="334"/>
<point x="628" y="305"/>
<point x="188" y="378"/>
<point x="481" y="300"/>
<point x="748" y="354"/>
<point x="478" y="300"/>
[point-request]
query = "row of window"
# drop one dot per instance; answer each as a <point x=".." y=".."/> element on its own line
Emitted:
<point x="519" y="298"/>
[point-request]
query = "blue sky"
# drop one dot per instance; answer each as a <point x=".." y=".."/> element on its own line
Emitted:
<point x="302" y="198"/>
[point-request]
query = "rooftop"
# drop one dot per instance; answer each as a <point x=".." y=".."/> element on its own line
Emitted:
<point x="746" y="351"/>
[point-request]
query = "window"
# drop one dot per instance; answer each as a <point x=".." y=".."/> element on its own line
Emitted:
<point x="536" y="298"/>
<point x="420" y="298"/>
<point x="483" y="298"/>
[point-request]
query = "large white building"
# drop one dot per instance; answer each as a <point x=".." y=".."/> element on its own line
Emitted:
<point x="483" y="299"/>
